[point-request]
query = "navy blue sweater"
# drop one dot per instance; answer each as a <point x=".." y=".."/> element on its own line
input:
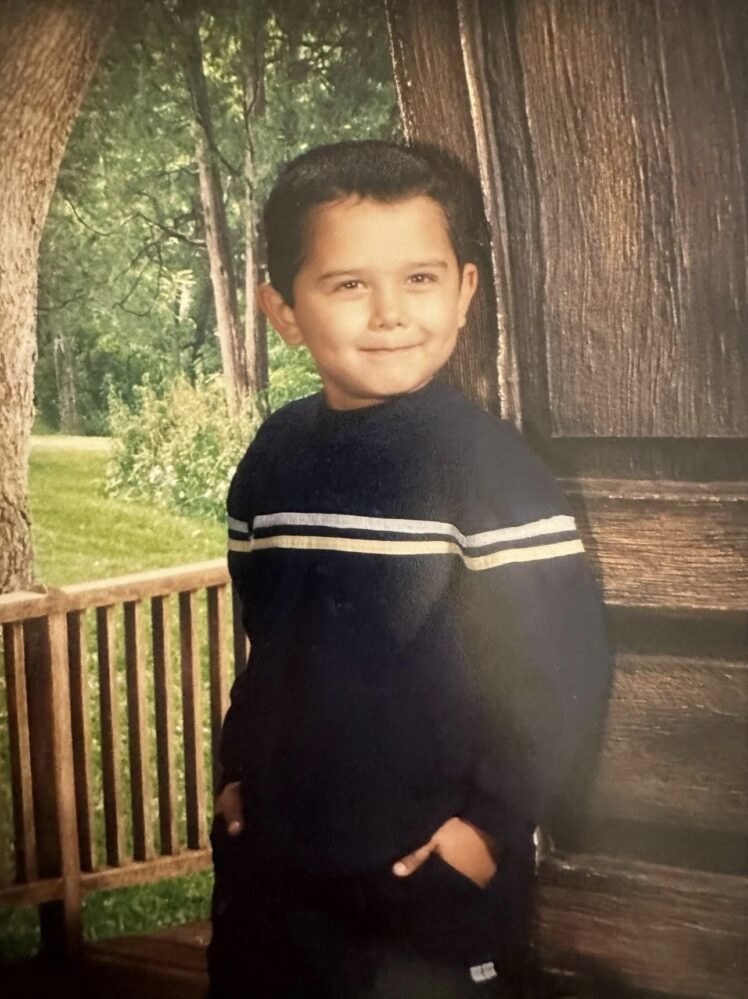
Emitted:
<point x="426" y="636"/>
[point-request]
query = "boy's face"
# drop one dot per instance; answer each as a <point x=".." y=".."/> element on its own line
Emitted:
<point x="379" y="299"/>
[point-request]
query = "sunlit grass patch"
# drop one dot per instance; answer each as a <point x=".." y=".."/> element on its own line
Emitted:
<point x="80" y="534"/>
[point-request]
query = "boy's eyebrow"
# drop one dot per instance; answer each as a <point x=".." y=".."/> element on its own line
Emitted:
<point x="360" y="270"/>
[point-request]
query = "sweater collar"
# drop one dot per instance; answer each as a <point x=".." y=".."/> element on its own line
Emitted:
<point x="392" y="408"/>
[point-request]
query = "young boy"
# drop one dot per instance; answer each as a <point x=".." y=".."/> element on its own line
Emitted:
<point x="428" y="667"/>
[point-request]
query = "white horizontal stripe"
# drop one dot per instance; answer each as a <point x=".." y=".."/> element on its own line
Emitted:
<point x="344" y="521"/>
<point x="238" y="525"/>
<point x="366" y="546"/>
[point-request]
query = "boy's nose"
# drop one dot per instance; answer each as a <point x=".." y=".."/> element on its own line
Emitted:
<point x="387" y="311"/>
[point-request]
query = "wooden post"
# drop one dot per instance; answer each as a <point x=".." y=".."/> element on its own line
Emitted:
<point x="54" y="786"/>
<point x="165" y="752"/>
<point x="219" y="696"/>
<point x="20" y="753"/>
<point x="137" y="713"/>
<point x="110" y="738"/>
<point x="82" y="744"/>
<point x="194" y="768"/>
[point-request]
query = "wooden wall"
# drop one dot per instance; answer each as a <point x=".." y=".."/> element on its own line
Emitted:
<point x="609" y="138"/>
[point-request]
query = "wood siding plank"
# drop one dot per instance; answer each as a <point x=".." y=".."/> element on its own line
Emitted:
<point x="675" y="745"/>
<point x="138" y="741"/>
<point x="680" y="546"/>
<point x="625" y="926"/>
<point x="623" y="175"/>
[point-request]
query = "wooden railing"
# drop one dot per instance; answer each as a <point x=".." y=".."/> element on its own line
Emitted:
<point x="89" y="813"/>
<point x="74" y="826"/>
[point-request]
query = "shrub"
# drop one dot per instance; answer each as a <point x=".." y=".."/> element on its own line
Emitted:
<point x="178" y="447"/>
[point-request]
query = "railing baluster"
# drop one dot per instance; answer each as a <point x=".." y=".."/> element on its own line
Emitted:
<point x="80" y="717"/>
<point x="241" y="645"/>
<point x="67" y="940"/>
<point x="53" y="774"/>
<point x="20" y="754"/>
<point x="194" y="768"/>
<point x="219" y="695"/>
<point x="137" y="724"/>
<point x="162" y="684"/>
<point x="50" y="740"/>
<point x="110" y="739"/>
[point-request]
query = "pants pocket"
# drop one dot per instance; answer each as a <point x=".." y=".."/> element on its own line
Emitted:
<point x="449" y="871"/>
<point x="443" y="916"/>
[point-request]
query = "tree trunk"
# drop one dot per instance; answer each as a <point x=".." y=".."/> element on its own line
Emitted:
<point x="253" y="32"/>
<point x="48" y="52"/>
<point x="67" y="400"/>
<point x="217" y="238"/>
<point x="255" y="328"/>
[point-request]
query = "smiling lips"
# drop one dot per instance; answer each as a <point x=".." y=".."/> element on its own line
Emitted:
<point x="388" y="350"/>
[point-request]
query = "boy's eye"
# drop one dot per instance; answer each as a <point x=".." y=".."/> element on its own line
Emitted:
<point x="352" y="284"/>
<point x="422" y="277"/>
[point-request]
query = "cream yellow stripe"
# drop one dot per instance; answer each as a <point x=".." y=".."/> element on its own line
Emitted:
<point x="366" y="546"/>
<point x="561" y="523"/>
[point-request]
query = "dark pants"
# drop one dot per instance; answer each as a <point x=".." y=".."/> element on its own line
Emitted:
<point x="432" y="935"/>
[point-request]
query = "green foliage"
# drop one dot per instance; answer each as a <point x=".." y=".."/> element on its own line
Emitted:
<point x="293" y="374"/>
<point x="80" y="533"/>
<point x="124" y="287"/>
<point x="178" y="448"/>
<point x="143" y="908"/>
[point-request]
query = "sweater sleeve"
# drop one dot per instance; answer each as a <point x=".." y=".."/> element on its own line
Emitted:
<point x="239" y="506"/>
<point x="534" y="623"/>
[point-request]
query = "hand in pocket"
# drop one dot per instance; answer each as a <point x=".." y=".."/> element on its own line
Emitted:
<point x="230" y="807"/>
<point x="460" y="844"/>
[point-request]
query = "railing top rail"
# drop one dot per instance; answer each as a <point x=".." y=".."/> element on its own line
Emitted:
<point x="25" y="604"/>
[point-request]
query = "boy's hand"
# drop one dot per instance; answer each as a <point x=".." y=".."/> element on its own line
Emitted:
<point x="229" y="805"/>
<point x="463" y="846"/>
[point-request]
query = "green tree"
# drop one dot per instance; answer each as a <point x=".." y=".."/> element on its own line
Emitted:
<point x="126" y="276"/>
<point x="48" y="53"/>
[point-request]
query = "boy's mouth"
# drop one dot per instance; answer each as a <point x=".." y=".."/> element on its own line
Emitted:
<point x="389" y="350"/>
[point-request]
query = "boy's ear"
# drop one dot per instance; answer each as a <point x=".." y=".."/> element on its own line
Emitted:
<point x="468" y="287"/>
<point x="280" y="314"/>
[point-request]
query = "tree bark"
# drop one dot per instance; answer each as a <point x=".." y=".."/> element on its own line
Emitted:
<point x="48" y="52"/>
<point x="217" y="237"/>
<point x="67" y="400"/>
<point x="255" y="326"/>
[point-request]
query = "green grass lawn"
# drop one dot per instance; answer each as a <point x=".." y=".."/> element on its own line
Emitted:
<point x="81" y="534"/>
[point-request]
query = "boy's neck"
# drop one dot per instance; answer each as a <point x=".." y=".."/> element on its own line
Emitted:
<point x="354" y="405"/>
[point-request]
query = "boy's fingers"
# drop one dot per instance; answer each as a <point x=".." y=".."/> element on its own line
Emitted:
<point x="229" y="805"/>
<point x="406" y="865"/>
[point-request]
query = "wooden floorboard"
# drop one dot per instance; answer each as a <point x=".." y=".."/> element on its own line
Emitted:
<point x="614" y="928"/>
<point x="161" y="965"/>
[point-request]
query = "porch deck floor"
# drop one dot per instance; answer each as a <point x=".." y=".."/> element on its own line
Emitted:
<point x="165" y="964"/>
<point x="160" y="965"/>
